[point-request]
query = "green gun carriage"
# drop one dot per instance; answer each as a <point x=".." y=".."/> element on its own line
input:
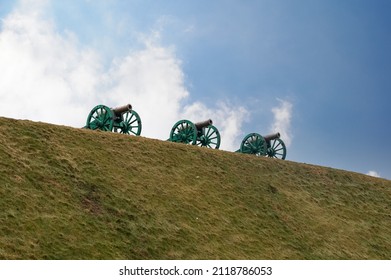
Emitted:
<point x="269" y="145"/>
<point x="203" y="134"/>
<point x="120" y="119"/>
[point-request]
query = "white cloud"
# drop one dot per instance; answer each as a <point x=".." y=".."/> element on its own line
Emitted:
<point x="282" y="121"/>
<point x="49" y="76"/>
<point x="373" y="173"/>
<point x="46" y="77"/>
<point x="152" y="81"/>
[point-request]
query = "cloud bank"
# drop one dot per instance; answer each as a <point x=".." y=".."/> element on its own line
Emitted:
<point x="49" y="76"/>
<point x="282" y="116"/>
<point x="373" y="173"/>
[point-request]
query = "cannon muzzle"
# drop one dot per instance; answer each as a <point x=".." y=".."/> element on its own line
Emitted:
<point x="201" y="125"/>
<point x="272" y="136"/>
<point x="118" y="111"/>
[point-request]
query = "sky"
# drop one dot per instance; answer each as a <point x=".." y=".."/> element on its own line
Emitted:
<point x="316" y="71"/>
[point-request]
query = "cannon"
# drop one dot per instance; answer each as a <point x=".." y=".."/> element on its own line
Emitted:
<point x="120" y="119"/>
<point x="203" y="134"/>
<point x="270" y="145"/>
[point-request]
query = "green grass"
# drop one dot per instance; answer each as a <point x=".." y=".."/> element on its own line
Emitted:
<point x="70" y="193"/>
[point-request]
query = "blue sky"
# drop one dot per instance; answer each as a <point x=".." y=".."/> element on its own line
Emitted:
<point x="318" y="71"/>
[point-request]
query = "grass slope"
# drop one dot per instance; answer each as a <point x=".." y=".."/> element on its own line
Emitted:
<point x="70" y="193"/>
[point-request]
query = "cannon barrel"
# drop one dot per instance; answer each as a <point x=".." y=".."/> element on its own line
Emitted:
<point x="272" y="136"/>
<point x="203" y="124"/>
<point x="122" y="109"/>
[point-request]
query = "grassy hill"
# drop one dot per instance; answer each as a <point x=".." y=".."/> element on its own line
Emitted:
<point x="70" y="193"/>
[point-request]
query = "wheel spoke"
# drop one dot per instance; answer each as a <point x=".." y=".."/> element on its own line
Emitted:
<point x="210" y="132"/>
<point x="274" y="144"/>
<point x="135" y="120"/>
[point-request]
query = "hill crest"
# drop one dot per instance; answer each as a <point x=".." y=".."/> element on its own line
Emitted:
<point x="71" y="193"/>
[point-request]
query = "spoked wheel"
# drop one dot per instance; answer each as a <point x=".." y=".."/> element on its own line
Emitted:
<point x="254" y="144"/>
<point x="276" y="149"/>
<point x="101" y="117"/>
<point x="131" y="124"/>
<point x="209" y="137"/>
<point x="184" y="131"/>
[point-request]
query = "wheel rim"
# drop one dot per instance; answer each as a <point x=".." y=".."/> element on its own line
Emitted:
<point x="210" y="137"/>
<point x="130" y="124"/>
<point x="277" y="149"/>
<point x="100" y="117"/>
<point x="184" y="131"/>
<point x="254" y="144"/>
